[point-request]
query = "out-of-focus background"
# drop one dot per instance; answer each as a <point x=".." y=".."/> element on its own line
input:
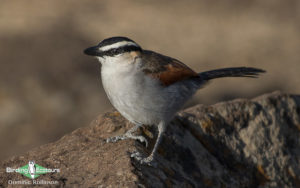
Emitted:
<point x="48" y="87"/>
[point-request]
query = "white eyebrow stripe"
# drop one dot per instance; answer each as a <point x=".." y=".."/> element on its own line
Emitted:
<point x="117" y="45"/>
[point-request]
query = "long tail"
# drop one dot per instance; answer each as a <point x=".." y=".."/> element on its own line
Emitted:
<point x="231" y="72"/>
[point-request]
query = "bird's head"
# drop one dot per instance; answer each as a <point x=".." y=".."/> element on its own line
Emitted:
<point x="114" y="48"/>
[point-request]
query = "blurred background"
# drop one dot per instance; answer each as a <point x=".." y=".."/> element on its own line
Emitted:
<point x="48" y="87"/>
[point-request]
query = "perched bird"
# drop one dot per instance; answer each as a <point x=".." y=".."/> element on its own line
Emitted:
<point x="148" y="88"/>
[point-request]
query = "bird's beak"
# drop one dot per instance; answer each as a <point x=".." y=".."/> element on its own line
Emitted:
<point x="93" y="51"/>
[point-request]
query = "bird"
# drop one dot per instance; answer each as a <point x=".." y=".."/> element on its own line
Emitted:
<point x="148" y="88"/>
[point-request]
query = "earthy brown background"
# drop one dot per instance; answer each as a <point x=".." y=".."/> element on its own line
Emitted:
<point x="48" y="87"/>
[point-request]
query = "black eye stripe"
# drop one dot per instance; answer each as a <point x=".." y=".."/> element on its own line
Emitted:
<point x="120" y="50"/>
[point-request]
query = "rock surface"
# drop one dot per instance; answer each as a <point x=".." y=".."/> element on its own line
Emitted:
<point x="240" y="143"/>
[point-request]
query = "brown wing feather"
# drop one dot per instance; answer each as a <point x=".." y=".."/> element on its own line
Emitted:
<point x="167" y="70"/>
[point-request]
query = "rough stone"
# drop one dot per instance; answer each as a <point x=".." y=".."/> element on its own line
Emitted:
<point x="240" y="143"/>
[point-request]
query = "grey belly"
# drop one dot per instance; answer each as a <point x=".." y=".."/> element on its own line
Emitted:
<point x="149" y="107"/>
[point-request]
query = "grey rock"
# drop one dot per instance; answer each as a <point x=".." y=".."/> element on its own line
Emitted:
<point x="240" y="143"/>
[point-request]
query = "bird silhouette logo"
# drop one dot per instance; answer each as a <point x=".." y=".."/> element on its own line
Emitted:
<point x="31" y="169"/>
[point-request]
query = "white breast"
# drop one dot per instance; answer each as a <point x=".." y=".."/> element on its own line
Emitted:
<point x="131" y="92"/>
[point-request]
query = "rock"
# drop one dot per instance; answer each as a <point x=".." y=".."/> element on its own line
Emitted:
<point x="240" y="143"/>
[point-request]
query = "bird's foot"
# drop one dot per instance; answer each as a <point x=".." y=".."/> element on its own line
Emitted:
<point x="127" y="136"/>
<point x="141" y="139"/>
<point x="115" y="138"/>
<point x="143" y="160"/>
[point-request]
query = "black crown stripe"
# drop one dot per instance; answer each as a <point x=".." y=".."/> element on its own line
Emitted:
<point x="113" y="40"/>
<point x="120" y="50"/>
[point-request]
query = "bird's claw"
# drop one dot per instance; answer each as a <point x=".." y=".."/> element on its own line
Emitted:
<point x="143" y="160"/>
<point x="114" y="139"/>
<point x="142" y="139"/>
<point x="117" y="138"/>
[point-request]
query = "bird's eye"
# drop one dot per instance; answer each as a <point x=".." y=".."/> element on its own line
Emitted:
<point x="115" y="50"/>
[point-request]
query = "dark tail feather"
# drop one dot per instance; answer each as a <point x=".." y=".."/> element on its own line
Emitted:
<point x="231" y="72"/>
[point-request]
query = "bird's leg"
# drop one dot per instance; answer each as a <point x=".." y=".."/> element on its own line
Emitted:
<point x="149" y="159"/>
<point x="128" y="135"/>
